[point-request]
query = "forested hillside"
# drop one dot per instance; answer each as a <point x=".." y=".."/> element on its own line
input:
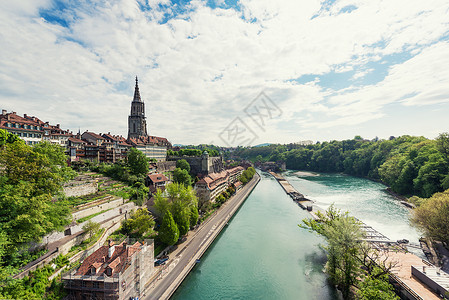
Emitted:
<point x="409" y="165"/>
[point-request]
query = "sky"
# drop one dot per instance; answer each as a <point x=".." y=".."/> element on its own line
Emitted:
<point x="230" y="72"/>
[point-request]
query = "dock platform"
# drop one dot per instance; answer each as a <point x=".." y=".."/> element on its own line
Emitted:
<point x="297" y="197"/>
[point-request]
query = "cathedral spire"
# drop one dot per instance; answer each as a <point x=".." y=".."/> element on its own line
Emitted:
<point x="136" y="92"/>
<point x="137" y="125"/>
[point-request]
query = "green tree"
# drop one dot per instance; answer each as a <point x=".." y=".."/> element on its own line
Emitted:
<point x="139" y="223"/>
<point x="183" y="165"/>
<point x="28" y="179"/>
<point x="376" y="286"/>
<point x="432" y="216"/>
<point x="8" y="138"/>
<point x="139" y="193"/>
<point x="137" y="162"/>
<point x="193" y="216"/>
<point x="343" y="235"/>
<point x="21" y="163"/>
<point x="57" y="158"/>
<point x="169" y="232"/>
<point x="179" y="200"/>
<point x="91" y="228"/>
<point x="27" y="217"/>
<point x="161" y="203"/>
<point x="182" y="176"/>
<point x="443" y="144"/>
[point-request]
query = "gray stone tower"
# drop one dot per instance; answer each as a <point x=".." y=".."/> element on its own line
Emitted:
<point x="137" y="125"/>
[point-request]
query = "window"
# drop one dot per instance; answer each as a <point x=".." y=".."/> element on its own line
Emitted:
<point x="96" y="285"/>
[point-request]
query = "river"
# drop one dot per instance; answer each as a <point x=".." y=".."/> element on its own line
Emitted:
<point x="262" y="254"/>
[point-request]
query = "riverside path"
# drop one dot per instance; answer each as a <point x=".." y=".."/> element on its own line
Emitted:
<point x="183" y="259"/>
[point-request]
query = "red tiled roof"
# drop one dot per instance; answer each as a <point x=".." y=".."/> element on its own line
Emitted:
<point x="14" y="118"/>
<point x="155" y="178"/>
<point x="75" y="140"/>
<point x="94" y="135"/>
<point x="145" y="140"/>
<point x="100" y="260"/>
<point x="212" y="180"/>
<point x="110" y="137"/>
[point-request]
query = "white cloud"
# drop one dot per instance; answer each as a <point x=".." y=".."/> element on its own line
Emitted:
<point x="198" y="72"/>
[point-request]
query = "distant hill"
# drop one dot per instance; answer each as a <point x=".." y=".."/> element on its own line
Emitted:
<point x="263" y="145"/>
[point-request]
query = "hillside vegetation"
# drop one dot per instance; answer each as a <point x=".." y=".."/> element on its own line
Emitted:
<point x="409" y="165"/>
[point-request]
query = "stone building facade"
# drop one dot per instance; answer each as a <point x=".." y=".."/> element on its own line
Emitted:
<point x="212" y="185"/>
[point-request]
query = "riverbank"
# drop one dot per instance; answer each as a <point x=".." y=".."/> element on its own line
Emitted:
<point x="183" y="259"/>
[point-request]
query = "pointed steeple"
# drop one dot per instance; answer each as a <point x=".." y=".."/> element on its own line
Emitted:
<point x="137" y="125"/>
<point x="137" y="93"/>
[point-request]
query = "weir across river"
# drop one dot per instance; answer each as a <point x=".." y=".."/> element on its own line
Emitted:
<point x="412" y="277"/>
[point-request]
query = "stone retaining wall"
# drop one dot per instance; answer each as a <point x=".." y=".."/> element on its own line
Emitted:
<point x="97" y="208"/>
<point x="82" y="189"/>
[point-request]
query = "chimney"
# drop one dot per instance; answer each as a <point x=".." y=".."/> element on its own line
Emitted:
<point x="25" y="116"/>
<point x="3" y="111"/>
<point x="57" y="125"/>
<point x="111" y="248"/>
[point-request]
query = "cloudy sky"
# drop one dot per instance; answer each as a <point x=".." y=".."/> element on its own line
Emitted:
<point x="280" y="71"/>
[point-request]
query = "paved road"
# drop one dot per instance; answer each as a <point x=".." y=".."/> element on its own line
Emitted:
<point x="184" y="257"/>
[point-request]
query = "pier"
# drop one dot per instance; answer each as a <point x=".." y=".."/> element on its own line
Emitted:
<point x="297" y="197"/>
<point x="412" y="277"/>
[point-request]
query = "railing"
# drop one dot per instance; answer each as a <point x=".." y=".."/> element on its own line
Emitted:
<point x="405" y="287"/>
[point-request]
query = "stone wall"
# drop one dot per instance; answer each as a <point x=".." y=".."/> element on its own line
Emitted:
<point x="166" y="166"/>
<point x="75" y="228"/>
<point x="97" y="208"/>
<point x="201" y="164"/>
<point x="74" y="189"/>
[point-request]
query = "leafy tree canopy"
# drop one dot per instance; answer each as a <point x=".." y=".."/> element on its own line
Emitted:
<point x="183" y="165"/>
<point x="139" y="223"/>
<point x="180" y="201"/>
<point x="137" y="162"/>
<point x="182" y="176"/>
<point x="409" y="165"/>
<point x="433" y="216"/>
<point x="168" y="232"/>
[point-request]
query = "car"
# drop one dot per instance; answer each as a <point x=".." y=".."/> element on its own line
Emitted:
<point x="160" y="262"/>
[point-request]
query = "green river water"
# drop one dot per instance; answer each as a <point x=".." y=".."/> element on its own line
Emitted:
<point x="263" y="254"/>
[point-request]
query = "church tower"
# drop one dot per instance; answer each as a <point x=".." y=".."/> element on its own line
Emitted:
<point x="137" y="125"/>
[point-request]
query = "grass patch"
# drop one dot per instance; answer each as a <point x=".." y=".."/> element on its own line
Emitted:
<point x="124" y="192"/>
<point x="79" y="221"/>
<point x="117" y="236"/>
<point x="75" y="201"/>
